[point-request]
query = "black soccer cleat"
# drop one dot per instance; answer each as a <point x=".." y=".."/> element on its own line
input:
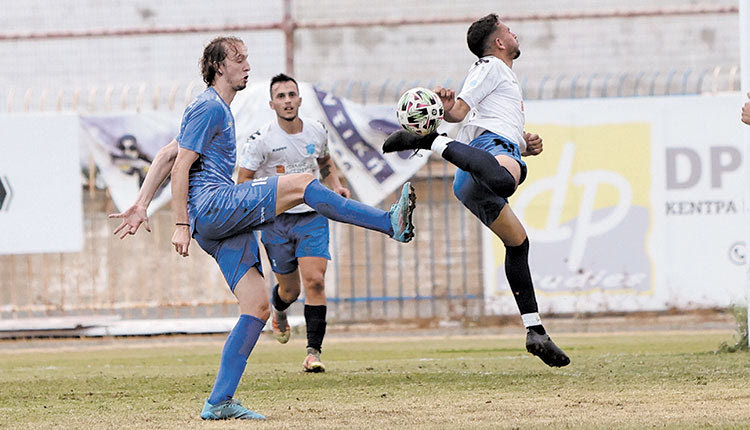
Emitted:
<point x="402" y="140"/>
<point x="542" y="346"/>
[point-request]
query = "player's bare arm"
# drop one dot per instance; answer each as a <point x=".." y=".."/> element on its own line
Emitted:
<point x="455" y="109"/>
<point x="746" y="111"/>
<point x="245" y="175"/>
<point x="330" y="177"/>
<point x="533" y="144"/>
<point x="135" y="215"/>
<point x="180" y="170"/>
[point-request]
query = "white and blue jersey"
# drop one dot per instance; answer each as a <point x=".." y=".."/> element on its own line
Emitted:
<point x="298" y="232"/>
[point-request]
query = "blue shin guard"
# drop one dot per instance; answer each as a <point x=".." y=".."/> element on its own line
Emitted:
<point x="237" y="348"/>
<point x="337" y="208"/>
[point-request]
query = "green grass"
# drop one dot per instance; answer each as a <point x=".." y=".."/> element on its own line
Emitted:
<point x="655" y="379"/>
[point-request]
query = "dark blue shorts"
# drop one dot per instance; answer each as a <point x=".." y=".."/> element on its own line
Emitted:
<point x="293" y="236"/>
<point x="225" y="224"/>
<point x="479" y="199"/>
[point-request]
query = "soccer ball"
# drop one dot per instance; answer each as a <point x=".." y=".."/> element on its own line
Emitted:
<point x="419" y="111"/>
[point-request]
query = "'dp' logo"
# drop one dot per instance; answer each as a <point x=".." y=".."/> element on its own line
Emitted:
<point x="585" y="205"/>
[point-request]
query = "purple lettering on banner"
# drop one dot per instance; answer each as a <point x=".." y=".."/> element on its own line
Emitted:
<point x="371" y="159"/>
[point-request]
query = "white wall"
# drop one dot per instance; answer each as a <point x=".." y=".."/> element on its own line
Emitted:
<point x="411" y="53"/>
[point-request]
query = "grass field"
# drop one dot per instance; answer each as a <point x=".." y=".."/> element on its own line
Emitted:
<point x="617" y="380"/>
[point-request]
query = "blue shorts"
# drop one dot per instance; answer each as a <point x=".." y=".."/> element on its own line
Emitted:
<point x="479" y="199"/>
<point x="293" y="236"/>
<point x="224" y="225"/>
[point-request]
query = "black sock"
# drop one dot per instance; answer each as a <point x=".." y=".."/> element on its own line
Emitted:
<point x="483" y="166"/>
<point x="278" y="304"/>
<point x="519" y="277"/>
<point x="315" y="320"/>
<point x="538" y="329"/>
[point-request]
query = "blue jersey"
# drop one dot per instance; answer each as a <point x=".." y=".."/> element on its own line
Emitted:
<point x="208" y="129"/>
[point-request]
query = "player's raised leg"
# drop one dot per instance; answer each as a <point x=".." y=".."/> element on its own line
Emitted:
<point x="480" y="163"/>
<point x="510" y="230"/>
<point x="304" y="188"/>
<point x="253" y="299"/>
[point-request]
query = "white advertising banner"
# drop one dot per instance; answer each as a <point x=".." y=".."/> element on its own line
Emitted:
<point x="40" y="184"/>
<point x="635" y="204"/>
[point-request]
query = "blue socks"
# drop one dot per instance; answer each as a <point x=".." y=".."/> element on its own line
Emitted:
<point x="337" y="208"/>
<point x="237" y="348"/>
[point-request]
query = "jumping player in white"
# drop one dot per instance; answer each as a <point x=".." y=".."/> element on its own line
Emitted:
<point x="490" y="166"/>
<point x="297" y="242"/>
<point x="222" y="215"/>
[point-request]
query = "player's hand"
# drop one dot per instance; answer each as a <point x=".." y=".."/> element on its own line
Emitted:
<point x="181" y="239"/>
<point x="447" y="96"/>
<point x="533" y="144"/>
<point x="132" y="219"/>
<point x="343" y="192"/>
<point x="746" y="111"/>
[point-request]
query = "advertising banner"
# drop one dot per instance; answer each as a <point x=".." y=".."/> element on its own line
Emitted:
<point x="40" y="184"/>
<point x="123" y="145"/>
<point x="634" y="204"/>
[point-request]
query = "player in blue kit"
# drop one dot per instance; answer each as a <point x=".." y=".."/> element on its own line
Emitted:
<point x="222" y="215"/>
<point x="490" y="167"/>
<point x="297" y="242"/>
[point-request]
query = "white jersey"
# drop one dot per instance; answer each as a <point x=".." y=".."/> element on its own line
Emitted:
<point x="271" y="151"/>
<point x="494" y="96"/>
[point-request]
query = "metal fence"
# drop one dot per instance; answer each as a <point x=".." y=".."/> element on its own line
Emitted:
<point x="176" y="95"/>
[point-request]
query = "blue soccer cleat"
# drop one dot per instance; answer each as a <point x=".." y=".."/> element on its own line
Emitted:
<point x="227" y="410"/>
<point x="401" y="211"/>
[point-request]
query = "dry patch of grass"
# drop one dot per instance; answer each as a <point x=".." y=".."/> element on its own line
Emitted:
<point x="618" y="380"/>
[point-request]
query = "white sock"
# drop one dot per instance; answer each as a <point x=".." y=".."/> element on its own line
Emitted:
<point x="531" y="319"/>
<point x="439" y="144"/>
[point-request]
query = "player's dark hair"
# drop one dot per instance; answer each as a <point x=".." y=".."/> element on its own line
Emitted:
<point x="479" y="31"/>
<point x="216" y="52"/>
<point x="281" y="78"/>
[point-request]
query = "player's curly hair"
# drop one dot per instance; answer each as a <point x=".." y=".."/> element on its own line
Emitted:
<point x="479" y="31"/>
<point x="281" y="78"/>
<point x="216" y="52"/>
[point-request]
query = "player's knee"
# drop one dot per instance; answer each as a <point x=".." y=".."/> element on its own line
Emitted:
<point x="289" y="291"/>
<point x="315" y="285"/>
<point x="302" y="180"/>
<point x="294" y="184"/>
<point x="263" y="310"/>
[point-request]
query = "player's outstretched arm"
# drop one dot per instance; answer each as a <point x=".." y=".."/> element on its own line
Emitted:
<point x="180" y="170"/>
<point x="135" y="215"/>
<point x="533" y="144"/>
<point x="330" y="177"/>
<point x="746" y="111"/>
<point x="455" y="109"/>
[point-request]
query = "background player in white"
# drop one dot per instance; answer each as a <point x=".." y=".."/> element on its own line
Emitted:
<point x="297" y="242"/>
<point x="490" y="167"/>
<point x="746" y="111"/>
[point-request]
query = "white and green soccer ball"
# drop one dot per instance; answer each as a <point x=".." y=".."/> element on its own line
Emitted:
<point x="419" y="111"/>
